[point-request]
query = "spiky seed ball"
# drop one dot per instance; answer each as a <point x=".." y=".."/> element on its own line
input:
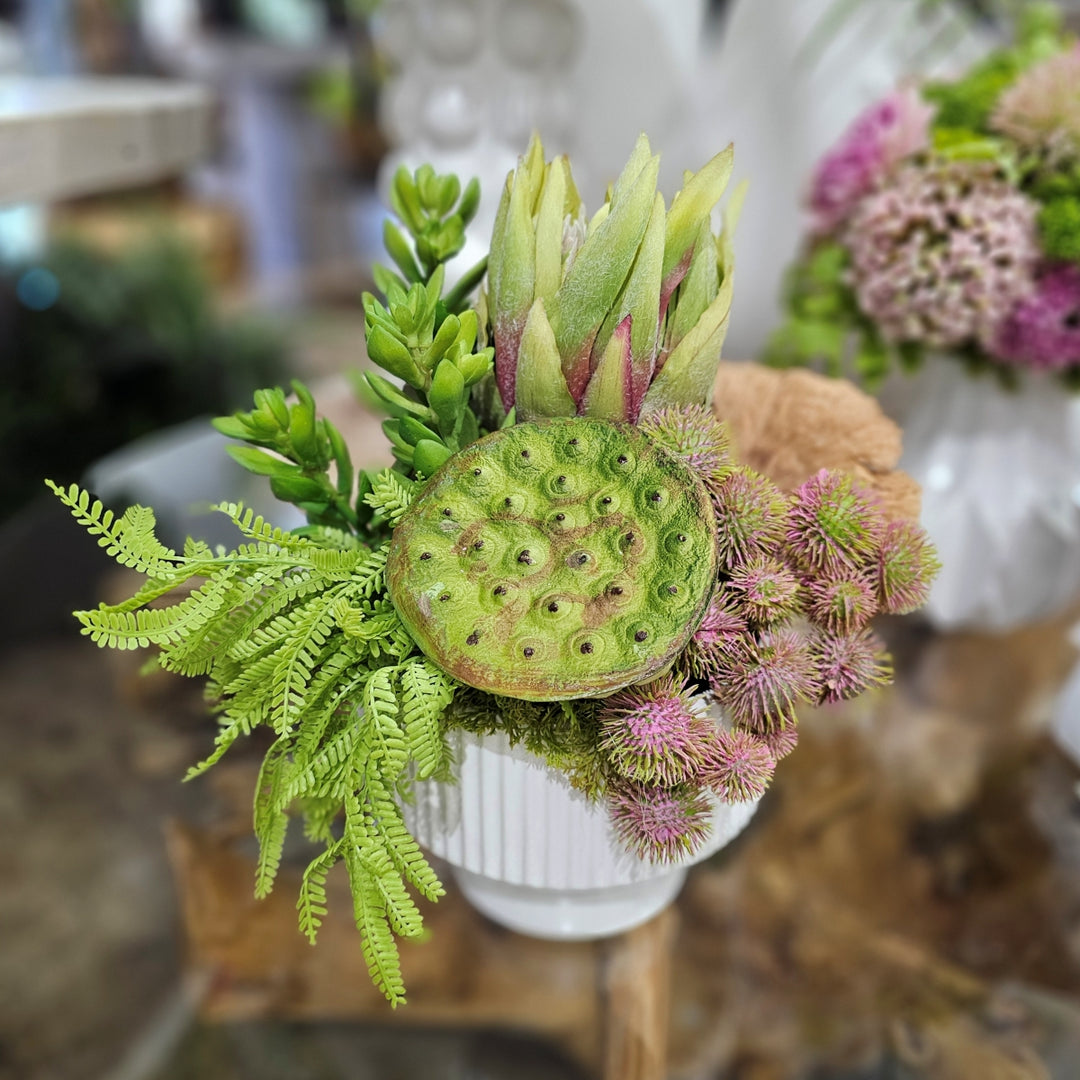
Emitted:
<point x="751" y="517"/>
<point x="694" y="434"/>
<point x="833" y="524"/>
<point x="660" y="824"/>
<point x="650" y="732"/>
<point x="721" y="630"/>
<point x="841" y="602"/>
<point x="907" y="564"/>
<point x="780" y="742"/>
<point x="847" y="665"/>
<point x="764" y="590"/>
<point x="764" y="678"/>
<point x="739" y="765"/>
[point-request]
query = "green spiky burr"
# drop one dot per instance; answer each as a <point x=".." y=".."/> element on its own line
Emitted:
<point x="555" y="560"/>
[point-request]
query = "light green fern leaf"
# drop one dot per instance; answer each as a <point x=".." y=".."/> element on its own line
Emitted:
<point x="271" y="820"/>
<point x="369" y="909"/>
<point x="158" y="626"/>
<point x="381" y="712"/>
<point x="225" y="738"/>
<point x="329" y="771"/>
<point x="425" y="695"/>
<point x="255" y="528"/>
<point x="390" y="495"/>
<point x="311" y="905"/>
<point x="129" y="539"/>
<point x="403" y="850"/>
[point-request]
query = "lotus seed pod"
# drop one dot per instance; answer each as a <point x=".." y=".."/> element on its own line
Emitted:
<point x="555" y="560"/>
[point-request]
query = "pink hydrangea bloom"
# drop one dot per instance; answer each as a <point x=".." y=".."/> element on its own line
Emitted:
<point x="882" y="136"/>
<point x="1043" y="330"/>
<point x="943" y="253"/>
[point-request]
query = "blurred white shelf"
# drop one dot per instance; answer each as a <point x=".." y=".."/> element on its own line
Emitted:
<point x="80" y="136"/>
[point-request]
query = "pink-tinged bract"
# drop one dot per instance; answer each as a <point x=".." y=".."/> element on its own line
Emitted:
<point x="843" y="601"/>
<point x="660" y="824"/>
<point x="907" y="564"/>
<point x="739" y="765"/>
<point x="883" y="135"/>
<point x="764" y="590"/>
<point x="693" y="434"/>
<point x="764" y="679"/>
<point x="847" y="665"/>
<point x="650" y="732"/>
<point x="832" y="524"/>
<point x="1043" y="330"/>
<point x="942" y="253"/>
<point x="751" y="516"/>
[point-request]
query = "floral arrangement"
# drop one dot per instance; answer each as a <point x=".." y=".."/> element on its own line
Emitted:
<point x="566" y="549"/>
<point x="947" y="219"/>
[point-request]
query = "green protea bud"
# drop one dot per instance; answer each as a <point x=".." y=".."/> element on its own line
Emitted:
<point x="623" y="315"/>
<point x="557" y="560"/>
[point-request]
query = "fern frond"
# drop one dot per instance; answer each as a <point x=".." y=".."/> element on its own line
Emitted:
<point x="390" y="751"/>
<point x="271" y="820"/>
<point x="311" y="904"/>
<point x="328" y="692"/>
<point x="255" y="528"/>
<point x="403" y="850"/>
<point x="376" y="938"/>
<point x="319" y="815"/>
<point x="158" y="626"/>
<point x="298" y="661"/>
<point x="390" y="495"/>
<point x="426" y="693"/>
<point x="129" y="539"/>
<point x="328" y="773"/>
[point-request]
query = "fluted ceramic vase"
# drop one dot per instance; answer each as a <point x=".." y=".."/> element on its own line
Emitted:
<point x="1000" y="475"/>
<point x="538" y="857"/>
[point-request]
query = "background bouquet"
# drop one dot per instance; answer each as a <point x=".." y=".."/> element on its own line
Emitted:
<point x="947" y="220"/>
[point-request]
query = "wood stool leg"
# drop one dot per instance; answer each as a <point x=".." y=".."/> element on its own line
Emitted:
<point x="637" y="989"/>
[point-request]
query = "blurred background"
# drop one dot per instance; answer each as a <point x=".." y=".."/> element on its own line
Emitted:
<point x="190" y="203"/>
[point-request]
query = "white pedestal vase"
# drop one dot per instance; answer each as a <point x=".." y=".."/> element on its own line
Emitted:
<point x="535" y="855"/>
<point x="1000" y="475"/>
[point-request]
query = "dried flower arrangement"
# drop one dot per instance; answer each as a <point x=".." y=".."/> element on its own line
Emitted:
<point x="567" y="550"/>
<point x="947" y="219"/>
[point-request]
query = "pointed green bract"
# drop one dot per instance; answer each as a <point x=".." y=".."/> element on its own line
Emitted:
<point x="694" y="204"/>
<point x="597" y="275"/>
<point x="541" y="390"/>
<point x="610" y="393"/>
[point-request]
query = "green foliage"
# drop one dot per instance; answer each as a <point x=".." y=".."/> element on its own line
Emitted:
<point x="968" y="103"/>
<point x="309" y="463"/>
<point x="296" y="634"/>
<point x="1059" y="227"/>
<point x="425" y="339"/>
<point x="435" y="212"/>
